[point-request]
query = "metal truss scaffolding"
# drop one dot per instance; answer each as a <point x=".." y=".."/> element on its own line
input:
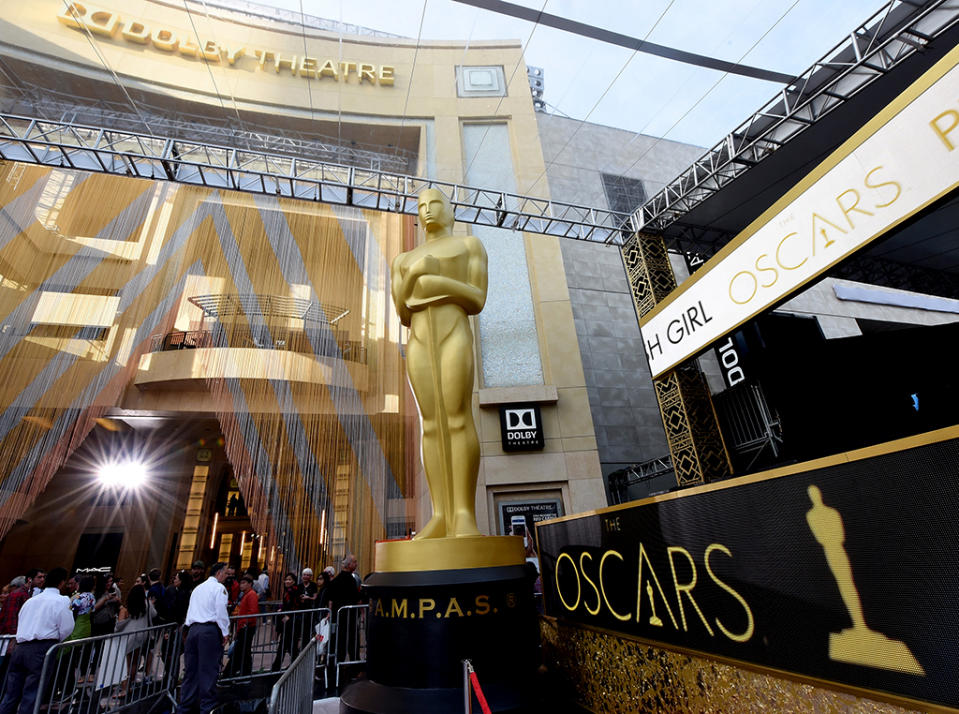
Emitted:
<point x="893" y="34"/>
<point x="22" y="98"/>
<point x="620" y="481"/>
<point x="69" y="145"/>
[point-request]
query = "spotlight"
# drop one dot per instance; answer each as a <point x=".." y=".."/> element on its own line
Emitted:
<point x="122" y="474"/>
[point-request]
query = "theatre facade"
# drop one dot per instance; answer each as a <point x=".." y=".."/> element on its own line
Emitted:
<point x="243" y="347"/>
<point x="206" y="363"/>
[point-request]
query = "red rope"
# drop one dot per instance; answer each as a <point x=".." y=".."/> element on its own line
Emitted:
<point x="474" y="680"/>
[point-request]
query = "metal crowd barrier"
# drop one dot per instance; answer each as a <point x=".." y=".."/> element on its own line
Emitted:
<point x="5" y="642"/>
<point x="350" y="637"/>
<point x="259" y="644"/>
<point x="293" y="692"/>
<point x="116" y="672"/>
<point x="110" y="672"/>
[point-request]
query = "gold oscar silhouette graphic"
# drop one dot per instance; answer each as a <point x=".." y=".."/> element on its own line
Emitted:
<point x="857" y="644"/>
<point x="653" y="619"/>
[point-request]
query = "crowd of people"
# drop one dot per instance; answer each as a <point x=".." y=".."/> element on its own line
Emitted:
<point x="41" y="609"/>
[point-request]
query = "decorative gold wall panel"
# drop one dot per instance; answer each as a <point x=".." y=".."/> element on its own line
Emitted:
<point x="614" y="675"/>
<point x="647" y="267"/>
<point x="692" y="430"/>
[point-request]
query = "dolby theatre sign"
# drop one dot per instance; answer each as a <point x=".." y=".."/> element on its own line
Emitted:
<point x="798" y="573"/>
<point x="521" y="426"/>
<point x="85" y="17"/>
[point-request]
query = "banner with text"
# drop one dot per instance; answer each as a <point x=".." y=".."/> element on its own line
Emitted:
<point x="845" y="573"/>
<point x="902" y="160"/>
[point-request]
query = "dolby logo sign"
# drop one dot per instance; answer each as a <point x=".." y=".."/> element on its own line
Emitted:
<point x="522" y="427"/>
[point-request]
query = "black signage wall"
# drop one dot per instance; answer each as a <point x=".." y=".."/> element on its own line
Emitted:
<point x="846" y="573"/>
<point x="522" y="427"/>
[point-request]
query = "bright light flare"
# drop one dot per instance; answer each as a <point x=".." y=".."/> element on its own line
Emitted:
<point x="123" y="474"/>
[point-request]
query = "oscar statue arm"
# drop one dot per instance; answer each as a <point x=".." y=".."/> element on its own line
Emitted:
<point x="478" y="272"/>
<point x="425" y="266"/>
<point x="396" y="288"/>
<point x="469" y="294"/>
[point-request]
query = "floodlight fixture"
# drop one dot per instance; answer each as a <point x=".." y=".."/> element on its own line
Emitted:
<point x="127" y="474"/>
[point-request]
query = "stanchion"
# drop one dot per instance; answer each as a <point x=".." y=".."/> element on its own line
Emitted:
<point x="473" y="681"/>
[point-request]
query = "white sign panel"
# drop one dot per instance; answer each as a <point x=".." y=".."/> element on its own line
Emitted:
<point x="874" y="181"/>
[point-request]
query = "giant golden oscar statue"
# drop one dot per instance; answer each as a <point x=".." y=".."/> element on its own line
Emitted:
<point x="436" y="287"/>
<point x="450" y="593"/>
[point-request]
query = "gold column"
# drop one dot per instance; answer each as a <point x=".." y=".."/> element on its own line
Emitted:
<point x="692" y="430"/>
<point x="226" y="545"/>
<point x="341" y="511"/>
<point x="190" y="533"/>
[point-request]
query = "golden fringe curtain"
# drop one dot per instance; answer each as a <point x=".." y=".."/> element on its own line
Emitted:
<point x="289" y="299"/>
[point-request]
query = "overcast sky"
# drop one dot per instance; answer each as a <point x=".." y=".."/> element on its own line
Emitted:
<point x="589" y="80"/>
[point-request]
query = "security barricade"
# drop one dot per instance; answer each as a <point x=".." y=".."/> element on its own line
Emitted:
<point x="293" y="691"/>
<point x="5" y="642"/>
<point x="259" y="644"/>
<point x="110" y="672"/>
<point x="350" y="637"/>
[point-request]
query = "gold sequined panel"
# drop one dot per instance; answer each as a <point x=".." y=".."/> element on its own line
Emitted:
<point x="612" y="675"/>
<point x="650" y="274"/>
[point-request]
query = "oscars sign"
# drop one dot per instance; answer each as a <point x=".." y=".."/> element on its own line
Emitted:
<point x="904" y="159"/>
<point x="798" y="573"/>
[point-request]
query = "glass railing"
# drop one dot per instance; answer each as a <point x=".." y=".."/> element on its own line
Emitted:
<point x="328" y="344"/>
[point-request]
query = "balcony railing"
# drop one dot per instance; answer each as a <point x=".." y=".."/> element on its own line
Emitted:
<point x="331" y="344"/>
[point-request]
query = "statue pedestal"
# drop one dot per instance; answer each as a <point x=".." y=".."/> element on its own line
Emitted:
<point x="422" y="624"/>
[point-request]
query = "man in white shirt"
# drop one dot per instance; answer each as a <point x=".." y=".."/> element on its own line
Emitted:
<point x="45" y="620"/>
<point x="209" y="627"/>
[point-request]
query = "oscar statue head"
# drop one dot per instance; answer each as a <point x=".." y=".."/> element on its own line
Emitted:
<point x="436" y="213"/>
